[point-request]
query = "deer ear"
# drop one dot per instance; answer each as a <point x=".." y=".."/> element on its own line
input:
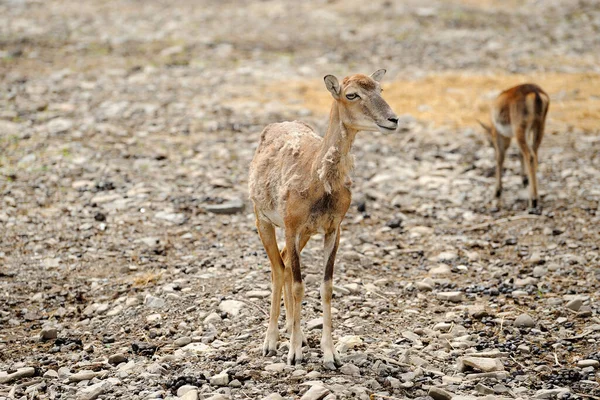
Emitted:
<point x="377" y="75"/>
<point x="333" y="86"/>
<point x="487" y="128"/>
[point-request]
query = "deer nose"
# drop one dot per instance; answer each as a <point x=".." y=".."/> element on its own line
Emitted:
<point x="393" y="119"/>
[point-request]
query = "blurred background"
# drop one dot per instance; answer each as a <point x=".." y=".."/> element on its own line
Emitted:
<point x="127" y="127"/>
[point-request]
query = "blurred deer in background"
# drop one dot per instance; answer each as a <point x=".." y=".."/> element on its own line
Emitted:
<point x="520" y="112"/>
<point x="300" y="182"/>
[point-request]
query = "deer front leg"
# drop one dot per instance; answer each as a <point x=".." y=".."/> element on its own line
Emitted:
<point x="295" y="352"/>
<point x="266" y="232"/>
<point x="331" y="359"/>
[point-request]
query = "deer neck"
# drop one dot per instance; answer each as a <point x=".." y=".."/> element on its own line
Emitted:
<point x="334" y="162"/>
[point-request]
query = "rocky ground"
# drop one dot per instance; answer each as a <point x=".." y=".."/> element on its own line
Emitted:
<point x="129" y="262"/>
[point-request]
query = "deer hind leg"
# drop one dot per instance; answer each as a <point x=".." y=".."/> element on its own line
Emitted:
<point x="524" y="177"/>
<point x="266" y="232"/>
<point x="292" y="240"/>
<point x="530" y="161"/>
<point x="331" y="359"/>
<point x="538" y="133"/>
<point x="501" y="143"/>
<point x="288" y="298"/>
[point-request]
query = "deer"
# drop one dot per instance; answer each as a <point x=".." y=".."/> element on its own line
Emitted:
<point x="299" y="181"/>
<point x="520" y="112"/>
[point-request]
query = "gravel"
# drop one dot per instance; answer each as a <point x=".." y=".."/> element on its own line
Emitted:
<point x="130" y="266"/>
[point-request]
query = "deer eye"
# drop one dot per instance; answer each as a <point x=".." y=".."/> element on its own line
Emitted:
<point x="352" y="96"/>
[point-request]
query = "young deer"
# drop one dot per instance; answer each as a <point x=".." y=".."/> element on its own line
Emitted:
<point x="521" y="112"/>
<point x="300" y="182"/>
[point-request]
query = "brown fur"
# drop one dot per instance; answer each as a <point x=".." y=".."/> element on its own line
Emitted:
<point x="300" y="182"/>
<point x="520" y="112"/>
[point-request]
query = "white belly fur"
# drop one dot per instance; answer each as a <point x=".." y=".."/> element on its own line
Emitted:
<point x="504" y="130"/>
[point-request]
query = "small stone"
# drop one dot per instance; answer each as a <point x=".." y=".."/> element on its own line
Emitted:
<point x="551" y="393"/>
<point x="394" y="383"/>
<point x="182" y="341"/>
<point x="276" y="367"/>
<point x="175" y="218"/>
<point x="93" y="391"/>
<point x="455" y="297"/>
<point x="235" y="383"/>
<point x="49" y="333"/>
<point x="451" y="380"/>
<point x="154" y="302"/>
<point x="231" y="307"/>
<point x="18" y="374"/>
<point x="84" y="375"/>
<point x="519" y="293"/>
<point x="539" y="271"/>
<point x="584" y="312"/>
<point x="524" y="321"/>
<point x="481" y="364"/>
<point x="346" y="343"/>
<point x="153" y="318"/>
<point x="574" y="304"/>
<point x="442" y="326"/>
<point x="439" y="394"/>
<point x="423" y="286"/>
<point x="221" y="379"/>
<point x="273" y="396"/>
<point x="117" y="358"/>
<point x="59" y="125"/>
<point x="51" y="374"/>
<point x="523" y="348"/>
<point x="258" y="294"/>
<point x="230" y="207"/>
<point x="313" y="324"/>
<point x="185" y="388"/>
<point x="212" y="318"/>
<point x="190" y="395"/>
<point x="316" y="392"/>
<point x="481" y="388"/>
<point x="350" y="369"/>
<point x="588" y="363"/>
<point x="442" y="269"/>
<point x="218" y="397"/>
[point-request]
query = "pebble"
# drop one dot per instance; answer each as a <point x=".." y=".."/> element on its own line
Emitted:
<point x="182" y="341"/>
<point x="424" y="286"/>
<point x="574" y="304"/>
<point x="221" y="379"/>
<point x="49" y="333"/>
<point x="185" y="388"/>
<point x="316" y="392"/>
<point x="276" y="367"/>
<point x="229" y="207"/>
<point x="232" y="307"/>
<point x="439" y="394"/>
<point x="92" y="392"/>
<point x="51" y="374"/>
<point x="350" y="369"/>
<point x="85" y="375"/>
<point x="258" y="294"/>
<point x="25" y="372"/>
<point x="190" y="395"/>
<point x="551" y="393"/>
<point x="117" y="358"/>
<point x="273" y="396"/>
<point x="313" y="324"/>
<point x="346" y="343"/>
<point x="481" y="363"/>
<point x="539" y="271"/>
<point x="442" y="326"/>
<point x="442" y="269"/>
<point x="588" y="363"/>
<point x="154" y="302"/>
<point x="212" y="318"/>
<point x="455" y="297"/>
<point x="524" y="321"/>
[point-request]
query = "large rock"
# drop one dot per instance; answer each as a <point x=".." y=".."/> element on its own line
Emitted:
<point x="316" y="392"/>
